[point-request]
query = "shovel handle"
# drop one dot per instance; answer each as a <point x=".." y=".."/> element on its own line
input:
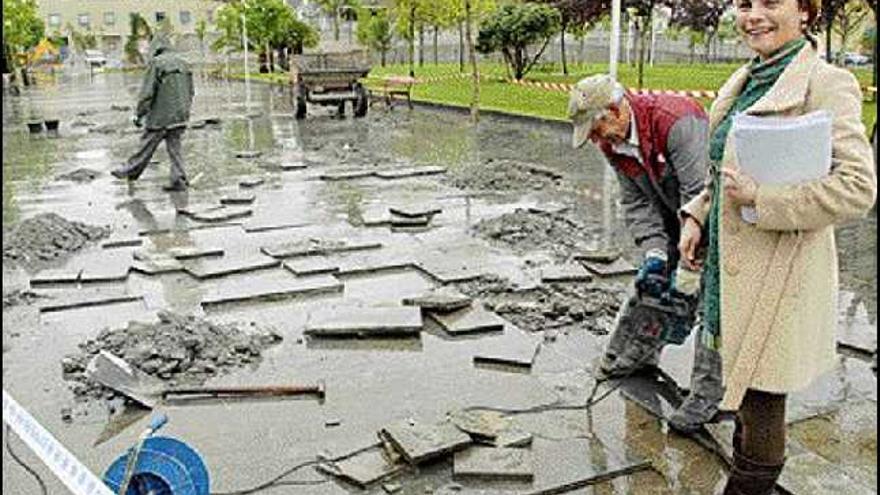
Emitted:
<point x="258" y="390"/>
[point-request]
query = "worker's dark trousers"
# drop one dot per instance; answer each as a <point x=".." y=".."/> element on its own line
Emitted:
<point x="149" y="142"/>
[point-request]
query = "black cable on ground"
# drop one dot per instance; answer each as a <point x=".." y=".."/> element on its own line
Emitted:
<point x="21" y="463"/>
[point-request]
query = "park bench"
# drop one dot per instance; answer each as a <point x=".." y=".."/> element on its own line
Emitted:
<point x="393" y="86"/>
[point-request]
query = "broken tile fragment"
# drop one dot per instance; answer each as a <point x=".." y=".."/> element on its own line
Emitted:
<point x="439" y="300"/>
<point x="364" y="468"/>
<point x="400" y="173"/>
<point x="468" y="320"/>
<point x="480" y="424"/>
<point x="617" y="267"/>
<point x="414" y="211"/>
<point x="108" y="273"/>
<point x="520" y="353"/>
<point x="238" y="199"/>
<point x="56" y="276"/>
<point x="157" y="265"/>
<point x="565" y="273"/>
<point x="250" y="182"/>
<point x="345" y="175"/>
<point x="418" y="442"/>
<point x="117" y="243"/>
<point x="494" y="463"/>
<point x="222" y="213"/>
<point x="598" y="255"/>
<point x="512" y="437"/>
<point x="240" y="291"/>
<point x="192" y="252"/>
<point x="410" y="221"/>
<point x="447" y="269"/>
<point x="365" y="322"/>
<point x="311" y="265"/>
<point x="219" y="267"/>
<point x="310" y="247"/>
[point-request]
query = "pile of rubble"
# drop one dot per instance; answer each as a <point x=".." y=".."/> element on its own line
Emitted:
<point x="178" y="349"/>
<point x="504" y="175"/>
<point x="532" y="229"/>
<point x="47" y="237"/>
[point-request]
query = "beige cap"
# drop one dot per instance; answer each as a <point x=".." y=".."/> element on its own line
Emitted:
<point x="589" y="98"/>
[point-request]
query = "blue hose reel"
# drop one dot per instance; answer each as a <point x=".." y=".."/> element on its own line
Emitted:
<point x="164" y="466"/>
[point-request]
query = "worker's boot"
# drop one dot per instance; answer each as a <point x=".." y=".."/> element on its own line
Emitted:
<point x="748" y="477"/>
<point x="701" y="405"/>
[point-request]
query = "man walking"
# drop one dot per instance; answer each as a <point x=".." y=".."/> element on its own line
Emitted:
<point x="657" y="146"/>
<point x="163" y="107"/>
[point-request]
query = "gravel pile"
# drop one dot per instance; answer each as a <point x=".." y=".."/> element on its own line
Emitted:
<point x="177" y="349"/>
<point x="528" y="230"/>
<point x="47" y="237"/>
<point x="590" y="306"/>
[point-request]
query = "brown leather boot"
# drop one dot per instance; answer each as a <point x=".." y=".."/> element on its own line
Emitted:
<point x="748" y="477"/>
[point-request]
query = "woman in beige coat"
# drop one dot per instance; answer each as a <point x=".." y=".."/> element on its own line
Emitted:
<point x="770" y="288"/>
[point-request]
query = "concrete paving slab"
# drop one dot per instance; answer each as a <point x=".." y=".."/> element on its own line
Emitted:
<point x="548" y="209"/>
<point x="482" y="425"/>
<point x="271" y="289"/>
<point x="56" y="277"/>
<point x="851" y="380"/>
<point x="219" y="267"/>
<point x="373" y="262"/>
<point x="365" y="468"/>
<point x="442" y="300"/>
<point x="346" y="175"/>
<point x="311" y="247"/>
<point x="157" y="266"/>
<point x="400" y="173"/>
<point x="598" y="255"/>
<point x="520" y="353"/>
<point x="513" y="437"/>
<point x="569" y="272"/>
<point x="311" y="265"/>
<point x="449" y="269"/>
<point x="410" y="221"/>
<point x="367" y="322"/>
<point x="615" y="268"/>
<point x="118" y="243"/>
<point x="251" y="182"/>
<point x="493" y="463"/>
<point x="222" y="214"/>
<point x="418" y="442"/>
<point x="105" y="273"/>
<point x="414" y="211"/>
<point x="89" y="300"/>
<point x="192" y="252"/>
<point x="255" y="226"/>
<point x="238" y="199"/>
<point x="810" y="474"/>
<point x="474" y="319"/>
<point x="248" y="154"/>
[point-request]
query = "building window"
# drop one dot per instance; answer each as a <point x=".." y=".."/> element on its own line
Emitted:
<point x="184" y="17"/>
<point x="55" y="20"/>
<point x="160" y="16"/>
<point x="83" y="20"/>
<point x="109" y="18"/>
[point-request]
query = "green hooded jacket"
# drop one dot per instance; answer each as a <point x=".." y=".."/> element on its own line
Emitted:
<point x="167" y="91"/>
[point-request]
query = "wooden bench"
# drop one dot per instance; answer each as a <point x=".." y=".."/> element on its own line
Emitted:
<point x="394" y="86"/>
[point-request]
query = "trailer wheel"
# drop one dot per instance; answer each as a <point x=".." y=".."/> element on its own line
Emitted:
<point x="362" y="102"/>
<point x="299" y="99"/>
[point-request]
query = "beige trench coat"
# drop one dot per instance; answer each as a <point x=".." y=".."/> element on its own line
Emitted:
<point x="779" y="276"/>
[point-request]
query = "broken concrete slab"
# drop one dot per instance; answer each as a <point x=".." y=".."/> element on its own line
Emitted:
<point x="512" y="437"/>
<point x="157" y="266"/>
<point x="88" y="301"/>
<point x="410" y="221"/>
<point x="311" y="247"/>
<point x="443" y="301"/>
<point x="253" y="227"/>
<point x="56" y="277"/>
<point x="222" y="214"/>
<point x="617" y="267"/>
<point x="369" y="263"/>
<point x="412" y="211"/>
<point x="219" y="267"/>
<point x="448" y="269"/>
<point x="247" y="153"/>
<point x="418" y="442"/>
<point x="346" y="175"/>
<point x="311" y="265"/>
<point x="366" y="322"/>
<point x="494" y="463"/>
<point x="192" y="252"/>
<point x="598" y="255"/>
<point x="284" y="166"/>
<point x="118" y="243"/>
<point x="565" y="273"/>
<point x="400" y="173"/>
<point x="273" y="289"/>
<point x="482" y="425"/>
<point x="519" y="353"/>
<point x="251" y="182"/>
<point x="808" y="473"/>
<point x="107" y="273"/>
<point x="474" y="319"/>
<point x="364" y="468"/>
<point x="238" y="199"/>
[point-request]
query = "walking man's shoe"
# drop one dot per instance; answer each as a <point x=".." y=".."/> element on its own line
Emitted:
<point x="119" y="174"/>
<point x="177" y="186"/>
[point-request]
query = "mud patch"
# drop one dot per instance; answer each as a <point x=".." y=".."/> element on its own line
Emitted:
<point x="504" y="175"/>
<point x="79" y="175"/>
<point x="177" y="349"/>
<point x="48" y="237"/>
<point x="529" y="229"/>
<point x="19" y="297"/>
<point x="588" y="306"/>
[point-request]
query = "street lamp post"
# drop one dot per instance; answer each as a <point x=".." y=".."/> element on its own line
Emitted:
<point x="607" y="179"/>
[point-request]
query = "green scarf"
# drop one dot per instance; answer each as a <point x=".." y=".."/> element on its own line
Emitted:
<point x="763" y="74"/>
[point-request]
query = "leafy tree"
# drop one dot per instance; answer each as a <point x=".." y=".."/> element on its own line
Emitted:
<point x="82" y="40"/>
<point x="22" y="28"/>
<point x="271" y="24"/>
<point x="575" y="15"/>
<point x="700" y="16"/>
<point x="332" y="7"/>
<point x="848" y="19"/>
<point x="139" y="29"/>
<point x="513" y="28"/>
<point x="375" y="30"/>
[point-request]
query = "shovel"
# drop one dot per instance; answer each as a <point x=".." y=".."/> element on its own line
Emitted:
<point x="113" y="372"/>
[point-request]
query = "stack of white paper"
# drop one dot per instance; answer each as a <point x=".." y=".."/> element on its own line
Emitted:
<point x="782" y="150"/>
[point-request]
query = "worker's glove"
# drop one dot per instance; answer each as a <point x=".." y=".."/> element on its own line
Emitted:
<point x="136" y="121"/>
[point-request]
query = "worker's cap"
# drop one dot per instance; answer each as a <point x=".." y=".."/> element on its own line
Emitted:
<point x="588" y="101"/>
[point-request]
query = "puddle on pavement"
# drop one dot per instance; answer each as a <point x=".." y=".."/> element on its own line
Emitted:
<point x="370" y="383"/>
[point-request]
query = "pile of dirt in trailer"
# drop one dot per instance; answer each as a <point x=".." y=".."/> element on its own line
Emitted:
<point x="177" y="349"/>
<point x="591" y="306"/>
<point x="529" y="229"/>
<point x="47" y="237"/>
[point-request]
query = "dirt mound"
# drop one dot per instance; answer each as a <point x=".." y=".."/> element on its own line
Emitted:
<point x="590" y="306"/>
<point x="504" y="175"/>
<point x="178" y="349"/>
<point x="529" y="229"/>
<point x="47" y="237"/>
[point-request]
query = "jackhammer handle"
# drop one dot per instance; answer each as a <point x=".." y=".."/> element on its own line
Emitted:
<point x="254" y="390"/>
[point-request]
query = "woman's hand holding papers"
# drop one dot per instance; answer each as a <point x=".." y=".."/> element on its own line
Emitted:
<point x="739" y="187"/>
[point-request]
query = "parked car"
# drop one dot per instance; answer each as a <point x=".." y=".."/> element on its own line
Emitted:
<point x="95" y="58"/>
<point x="855" y="59"/>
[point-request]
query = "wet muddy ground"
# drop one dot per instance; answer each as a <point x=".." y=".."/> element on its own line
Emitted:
<point x="324" y="181"/>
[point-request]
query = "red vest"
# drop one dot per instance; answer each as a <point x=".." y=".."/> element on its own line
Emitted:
<point x="655" y="115"/>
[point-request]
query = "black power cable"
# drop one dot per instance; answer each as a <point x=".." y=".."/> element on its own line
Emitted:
<point x="21" y="463"/>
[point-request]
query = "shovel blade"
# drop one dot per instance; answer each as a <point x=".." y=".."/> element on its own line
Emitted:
<point x="114" y="373"/>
